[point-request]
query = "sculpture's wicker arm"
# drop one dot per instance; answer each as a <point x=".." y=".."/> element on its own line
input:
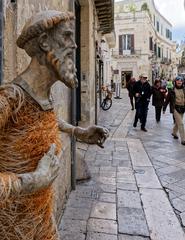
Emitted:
<point x="11" y="100"/>
<point x="10" y="184"/>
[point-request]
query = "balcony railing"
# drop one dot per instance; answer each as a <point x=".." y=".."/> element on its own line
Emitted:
<point x="166" y="61"/>
<point x="126" y="53"/>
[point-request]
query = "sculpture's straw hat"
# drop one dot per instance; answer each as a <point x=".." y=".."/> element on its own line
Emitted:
<point x="41" y="22"/>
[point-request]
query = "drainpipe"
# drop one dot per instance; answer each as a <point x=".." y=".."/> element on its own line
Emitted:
<point x="73" y="120"/>
<point x="95" y="59"/>
<point x="1" y="41"/>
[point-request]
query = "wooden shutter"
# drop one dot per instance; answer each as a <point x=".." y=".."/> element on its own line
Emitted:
<point x="120" y="44"/>
<point x="132" y="43"/>
<point x="151" y="43"/>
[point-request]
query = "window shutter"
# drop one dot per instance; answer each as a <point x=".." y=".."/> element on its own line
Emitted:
<point x="132" y="43"/>
<point x="120" y="44"/>
<point x="151" y="43"/>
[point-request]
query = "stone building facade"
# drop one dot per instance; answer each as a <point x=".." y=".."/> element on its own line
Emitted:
<point x="89" y="30"/>
<point x="181" y="59"/>
<point x="143" y="41"/>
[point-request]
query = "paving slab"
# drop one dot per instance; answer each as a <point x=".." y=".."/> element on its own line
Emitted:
<point x="106" y="180"/>
<point x="77" y="202"/>
<point x="107" y="188"/>
<point x="179" y="204"/>
<point x="65" y="235"/>
<point x="76" y="213"/>
<point x="130" y="199"/>
<point x="107" y="197"/>
<point x="127" y="186"/>
<point x="182" y="216"/>
<point x="132" y="221"/>
<point x="127" y="237"/>
<point x="138" y="155"/>
<point x="122" y="130"/>
<point x="147" y="178"/>
<point x="162" y="221"/>
<point x="104" y="210"/>
<point x="77" y="226"/>
<point x="100" y="236"/>
<point x="102" y="226"/>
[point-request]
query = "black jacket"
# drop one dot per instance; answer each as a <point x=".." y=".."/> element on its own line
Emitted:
<point x="158" y="96"/>
<point x="130" y="88"/>
<point x="144" y="91"/>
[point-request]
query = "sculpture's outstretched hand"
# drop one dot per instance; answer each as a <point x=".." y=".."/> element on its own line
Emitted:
<point x="92" y="135"/>
<point x="45" y="173"/>
<point x="48" y="166"/>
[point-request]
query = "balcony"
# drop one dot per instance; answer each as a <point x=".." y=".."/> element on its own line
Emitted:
<point x="126" y="53"/>
<point x="166" y="61"/>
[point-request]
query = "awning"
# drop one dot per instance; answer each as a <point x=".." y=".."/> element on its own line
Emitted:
<point x="105" y="12"/>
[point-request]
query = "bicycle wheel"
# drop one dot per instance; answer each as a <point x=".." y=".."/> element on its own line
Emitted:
<point x="106" y="104"/>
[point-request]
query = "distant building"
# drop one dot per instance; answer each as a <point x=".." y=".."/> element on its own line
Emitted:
<point x="144" y="41"/>
<point x="181" y="59"/>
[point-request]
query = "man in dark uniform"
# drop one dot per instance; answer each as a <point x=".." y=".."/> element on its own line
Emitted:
<point x="142" y="92"/>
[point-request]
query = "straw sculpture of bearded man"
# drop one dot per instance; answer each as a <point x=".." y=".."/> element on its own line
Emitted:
<point x="29" y="139"/>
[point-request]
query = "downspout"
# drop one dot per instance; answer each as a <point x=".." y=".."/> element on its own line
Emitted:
<point x="73" y="118"/>
<point x="95" y="59"/>
<point x="1" y="41"/>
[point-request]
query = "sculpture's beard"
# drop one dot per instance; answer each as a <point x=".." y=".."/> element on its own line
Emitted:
<point x="64" y="67"/>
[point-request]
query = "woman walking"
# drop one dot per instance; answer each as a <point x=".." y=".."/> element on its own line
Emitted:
<point x="158" y="96"/>
<point x="176" y="99"/>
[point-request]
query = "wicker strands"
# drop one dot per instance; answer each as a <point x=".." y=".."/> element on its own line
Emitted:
<point x="26" y="134"/>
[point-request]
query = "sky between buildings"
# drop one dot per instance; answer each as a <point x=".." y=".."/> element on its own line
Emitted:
<point x="174" y="12"/>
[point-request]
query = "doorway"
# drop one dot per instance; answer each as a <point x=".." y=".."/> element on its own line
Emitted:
<point x="125" y="78"/>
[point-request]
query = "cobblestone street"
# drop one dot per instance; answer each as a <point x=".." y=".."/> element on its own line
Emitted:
<point x="137" y="189"/>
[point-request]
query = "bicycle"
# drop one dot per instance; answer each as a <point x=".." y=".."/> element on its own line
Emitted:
<point x="107" y="101"/>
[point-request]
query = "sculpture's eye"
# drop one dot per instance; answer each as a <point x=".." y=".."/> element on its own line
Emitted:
<point x="67" y="34"/>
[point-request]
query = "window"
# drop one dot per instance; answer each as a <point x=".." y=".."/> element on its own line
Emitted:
<point x="162" y="30"/>
<point x="158" y="26"/>
<point x="168" y="34"/>
<point x="154" y="20"/>
<point x="126" y="42"/>
<point x="155" y="48"/>
<point x="159" y="52"/>
<point x="151" y="44"/>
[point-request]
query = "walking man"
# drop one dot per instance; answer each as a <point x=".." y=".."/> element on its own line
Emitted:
<point x="130" y="86"/>
<point x="142" y="93"/>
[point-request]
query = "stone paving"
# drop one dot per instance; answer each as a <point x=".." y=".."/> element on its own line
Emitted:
<point x="137" y="189"/>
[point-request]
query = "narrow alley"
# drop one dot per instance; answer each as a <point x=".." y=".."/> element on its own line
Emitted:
<point x="137" y="189"/>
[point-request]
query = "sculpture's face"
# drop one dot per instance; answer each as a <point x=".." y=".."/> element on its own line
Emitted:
<point x="63" y="49"/>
